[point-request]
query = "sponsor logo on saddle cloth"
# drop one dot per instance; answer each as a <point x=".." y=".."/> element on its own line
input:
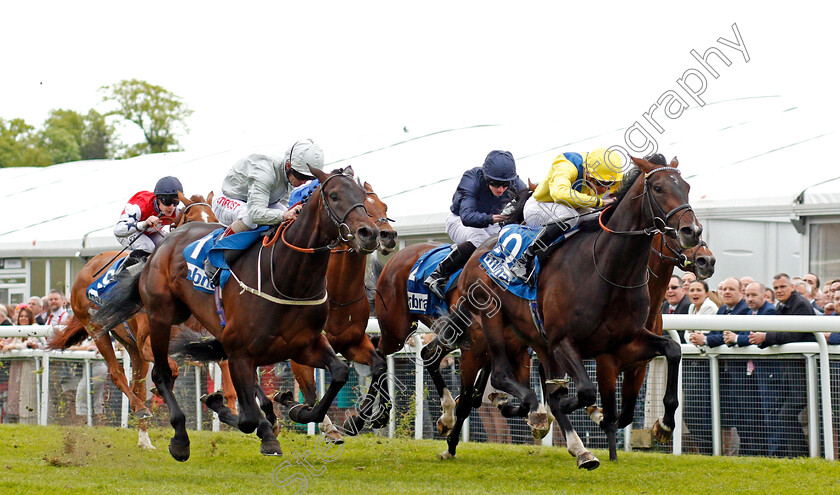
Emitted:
<point x="99" y="289"/>
<point x="420" y="300"/>
<point x="513" y="240"/>
<point x="197" y="251"/>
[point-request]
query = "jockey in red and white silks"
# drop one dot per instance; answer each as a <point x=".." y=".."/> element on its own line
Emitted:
<point x="148" y="216"/>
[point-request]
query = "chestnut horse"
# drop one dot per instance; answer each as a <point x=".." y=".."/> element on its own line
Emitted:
<point x="606" y="315"/>
<point x="135" y="341"/>
<point x="274" y="322"/>
<point x="348" y="320"/>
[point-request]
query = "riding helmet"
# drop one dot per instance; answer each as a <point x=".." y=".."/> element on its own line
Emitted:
<point x="168" y="186"/>
<point x="499" y="165"/>
<point x="302" y="153"/>
<point x="604" y="165"/>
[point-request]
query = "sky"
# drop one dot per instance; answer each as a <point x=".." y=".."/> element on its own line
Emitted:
<point x="269" y="73"/>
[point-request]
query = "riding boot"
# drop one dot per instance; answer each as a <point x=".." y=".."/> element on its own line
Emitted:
<point x="213" y="272"/>
<point x="523" y="269"/>
<point x="458" y="257"/>
<point x="133" y="263"/>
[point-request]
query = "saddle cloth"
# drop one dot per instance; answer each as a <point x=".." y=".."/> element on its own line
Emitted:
<point x="420" y="300"/>
<point x="513" y="240"/>
<point x="99" y="289"/>
<point x="211" y="246"/>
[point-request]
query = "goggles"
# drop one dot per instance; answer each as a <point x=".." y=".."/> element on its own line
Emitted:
<point x="498" y="183"/>
<point x="168" y="200"/>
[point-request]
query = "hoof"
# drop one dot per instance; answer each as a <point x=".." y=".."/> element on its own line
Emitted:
<point x="284" y="398"/>
<point x="382" y="421"/>
<point x="179" y="452"/>
<point x="213" y="401"/>
<point x="661" y="432"/>
<point x="538" y="433"/>
<point x="270" y="447"/>
<point x="445" y="426"/>
<point x="587" y="461"/>
<point x="446" y="456"/>
<point x="353" y="425"/>
<point x="146" y="447"/>
<point x="596" y="414"/>
<point x="143" y="414"/>
<point x="498" y="399"/>
<point x="538" y="421"/>
<point x="154" y="391"/>
<point x="295" y="413"/>
<point x="334" y="437"/>
<point x="276" y="428"/>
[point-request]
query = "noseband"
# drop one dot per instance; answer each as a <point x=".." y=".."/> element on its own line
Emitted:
<point x="183" y="219"/>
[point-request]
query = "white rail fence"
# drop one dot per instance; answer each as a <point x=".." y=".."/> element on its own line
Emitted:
<point x="417" y="402"/>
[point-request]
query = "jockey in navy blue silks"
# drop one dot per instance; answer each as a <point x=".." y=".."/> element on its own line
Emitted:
<point x="475" y="212"/>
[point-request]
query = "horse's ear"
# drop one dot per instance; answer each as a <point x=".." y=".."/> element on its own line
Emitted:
<point x="531" y="186"/>
<point x="319" y="174"/>
<point x="184" y="199"/>
<point x="368" y="188"/>
<point x="644" y="165"/>
<point x="210" y="198"/>
<point x="349" y="171"/>
<point x="675" y="163"/>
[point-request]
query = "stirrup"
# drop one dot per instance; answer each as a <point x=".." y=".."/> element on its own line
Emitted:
<point x="212" y="271"/>
<point x="436" y="285"/>
<point x="523" y="271"/>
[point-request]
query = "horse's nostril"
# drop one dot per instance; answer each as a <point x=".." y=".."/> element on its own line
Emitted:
<point x="364" y="233"/>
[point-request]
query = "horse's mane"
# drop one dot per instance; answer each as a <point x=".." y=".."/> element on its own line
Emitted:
<point x="515" y="209"/>
<point x="626" y="183"/>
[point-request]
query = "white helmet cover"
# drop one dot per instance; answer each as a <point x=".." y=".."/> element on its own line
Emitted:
<point x="305" y="152"/>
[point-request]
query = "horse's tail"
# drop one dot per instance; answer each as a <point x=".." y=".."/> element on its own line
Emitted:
<point x="122" y="302"/>
<point x="196" y="346"/>
<point x="72" y="334"/>
<point x="514" y="212"/>
<point x="374" y="271"/>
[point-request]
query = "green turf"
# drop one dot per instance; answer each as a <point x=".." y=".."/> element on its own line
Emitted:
<point x="105" y="460"/>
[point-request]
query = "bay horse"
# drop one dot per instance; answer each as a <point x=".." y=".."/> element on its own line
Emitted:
<point x="349" y="311"/>
<point x="606" y="315"/>
<point x="264" y="325"/>
<point x="135" y="336"/>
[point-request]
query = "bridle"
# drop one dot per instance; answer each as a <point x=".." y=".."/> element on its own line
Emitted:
<point x="658" y="217"/>
<point x="680" y="260"/>
<point x="183" y="220"/>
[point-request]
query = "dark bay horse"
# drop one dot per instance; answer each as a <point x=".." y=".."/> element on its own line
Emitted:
<point x="605" y="315"/>
<point x="135" y="341"/>
<point x="283" y="318"/>
<point x="348" y="320"/>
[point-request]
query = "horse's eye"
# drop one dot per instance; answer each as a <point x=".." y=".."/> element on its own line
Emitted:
<point x="334" y="196"/>
<point x="657" y="189"/>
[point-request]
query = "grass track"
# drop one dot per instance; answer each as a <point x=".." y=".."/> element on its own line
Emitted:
<point x="63" y="460"/>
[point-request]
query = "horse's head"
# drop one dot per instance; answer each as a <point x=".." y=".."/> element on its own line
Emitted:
<point x="196" y="209"/>
<point x="700" y="260"/>
<point x="342" y="202"/>
<point x="667" y="202"/>
<point x="379" y="212"/>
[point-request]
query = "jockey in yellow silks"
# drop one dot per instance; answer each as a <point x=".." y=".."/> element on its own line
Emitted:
<point x="574" y="184"/>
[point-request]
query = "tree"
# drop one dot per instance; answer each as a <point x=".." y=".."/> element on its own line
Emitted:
<point x="98" y="137"/>
<point x="155" y="110"/>
<point x="19" y="145"/>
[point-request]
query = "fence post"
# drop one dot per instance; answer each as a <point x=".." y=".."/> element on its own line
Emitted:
<point x="217" y="385"/>
<point x="124" y="408"/>
<point x="825" y="390"/>
<point x="678" y="415"/>
<point x="88" y="398"/>
<point x="811" y="387"/>
<point x="714" y="387"/>
<point x="198" y="397"/>
<point x="418" y="389"/>
<point x="45" y="388"/>
<point x="392" y="422"/>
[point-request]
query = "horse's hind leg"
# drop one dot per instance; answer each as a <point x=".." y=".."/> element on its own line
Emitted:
<point x="371" y="410"/>
<point x="244" y="375"/>
<point x="471" y="365"/>
<point x="305" y="377"/>
<point x="648" y="346"/>
<point x="432" y="355"/>
<point x="568" y="357"/>
<point x="607" y="373"/>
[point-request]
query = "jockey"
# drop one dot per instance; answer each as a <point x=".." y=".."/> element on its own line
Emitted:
<point x="256" y="189"/>
<point x="575" y="183"/>
<point x="475" y="213"/>
<point x="147" y="218"/>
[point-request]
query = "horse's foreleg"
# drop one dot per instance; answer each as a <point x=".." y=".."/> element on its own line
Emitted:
<point x="227" y="386"/>
<point x="634" y="378"/>
<point x="244" y="375"/>
<point x="568" y="357"/>
<point x="159" y="331"/>
<point x="471" y="365"/>
<point x="607" y="373"/>
<point x="432" y="355"/>
<point x="319" y="355"/>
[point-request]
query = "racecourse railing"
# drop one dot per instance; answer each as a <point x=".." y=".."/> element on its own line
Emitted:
<point x="724" y="392"/>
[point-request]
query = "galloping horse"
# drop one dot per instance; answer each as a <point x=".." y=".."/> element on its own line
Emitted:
<point x="605" y="315"/>
<point x="348" y="320"/>
<point x="272" y="323"/>
<point x="134" y="337"/>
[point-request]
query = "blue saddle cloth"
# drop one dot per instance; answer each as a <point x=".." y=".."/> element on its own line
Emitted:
<point x="513" y="240"/>
<point x="210" y="246"/>
<point x="99" y="289"/>
<point x="420" y="300"/>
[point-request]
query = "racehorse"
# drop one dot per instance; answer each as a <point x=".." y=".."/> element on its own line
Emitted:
<point x="348" y="319"/>
<point x="604" y="316"/>
<point x="264" y="325"/>
<point x="133" y="335"/>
